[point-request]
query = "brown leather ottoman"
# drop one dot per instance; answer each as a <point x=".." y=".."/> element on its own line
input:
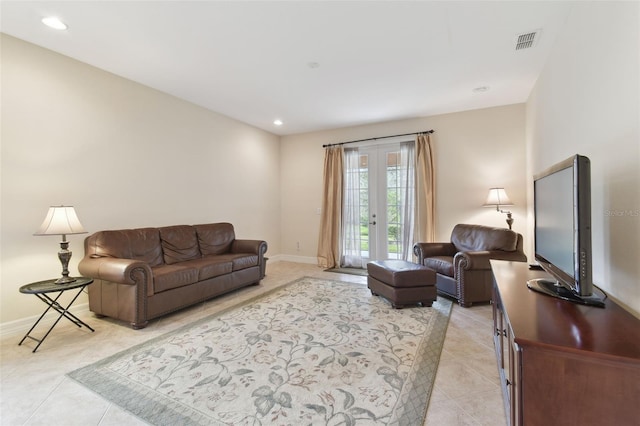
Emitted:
<point x="402" y="283"/>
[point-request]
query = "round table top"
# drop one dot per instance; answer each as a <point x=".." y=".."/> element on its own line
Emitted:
<point x="48" y="286"/>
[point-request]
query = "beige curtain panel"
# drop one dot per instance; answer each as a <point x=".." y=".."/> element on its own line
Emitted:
<point x="330" y="221"/>
<point x="425" y="220"/>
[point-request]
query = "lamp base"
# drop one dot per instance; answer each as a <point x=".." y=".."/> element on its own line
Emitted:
<point x="65" y="280"/>
<point x="509" y="219"/>
<point x="64" y="255"/>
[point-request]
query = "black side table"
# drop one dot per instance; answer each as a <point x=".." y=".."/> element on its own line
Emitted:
<point x="42" y="289"/>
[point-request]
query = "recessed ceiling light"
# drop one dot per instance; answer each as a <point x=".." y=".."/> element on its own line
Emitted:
<point x="54" y="22"/>
<point x="277" y="122"/>
<point x="481" y="89"/>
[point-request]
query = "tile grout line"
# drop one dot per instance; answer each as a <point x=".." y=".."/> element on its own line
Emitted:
<point x="44" y="400"/>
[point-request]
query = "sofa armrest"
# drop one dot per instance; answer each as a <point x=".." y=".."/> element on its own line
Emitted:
<point x="424" y="250"/>
<point x="121" y="271"/>
<point x="249" y="246"/>
<point x="258" y="247"/>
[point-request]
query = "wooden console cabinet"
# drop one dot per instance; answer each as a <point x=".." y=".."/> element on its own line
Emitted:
<point x="563" y="363"/>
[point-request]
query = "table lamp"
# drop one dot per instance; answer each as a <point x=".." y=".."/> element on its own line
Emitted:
<point x="498" y="197"/>
<point x="62" y="220"/>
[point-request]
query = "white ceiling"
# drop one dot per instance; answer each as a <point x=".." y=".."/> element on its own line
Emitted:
<point x="377" y="61"/>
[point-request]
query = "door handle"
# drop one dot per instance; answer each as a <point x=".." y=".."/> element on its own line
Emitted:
<point x="372" y="223"/>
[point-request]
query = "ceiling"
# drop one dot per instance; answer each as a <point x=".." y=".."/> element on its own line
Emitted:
<point x="315" y="65"/>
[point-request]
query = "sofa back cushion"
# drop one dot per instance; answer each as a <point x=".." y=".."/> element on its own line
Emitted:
<point x="215" y="238"/>
<point x="138" y="244"/>
<point x="179" y="243"/>
<point x="481" y="238"/>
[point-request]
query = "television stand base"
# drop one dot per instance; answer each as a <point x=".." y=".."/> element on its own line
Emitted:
<point x="554" y="289"/>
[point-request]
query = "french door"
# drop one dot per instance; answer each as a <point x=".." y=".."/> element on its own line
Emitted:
<point x="381" y="187"/>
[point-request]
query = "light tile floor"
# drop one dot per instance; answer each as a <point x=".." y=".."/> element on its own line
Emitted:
<point x="35" y="391"/>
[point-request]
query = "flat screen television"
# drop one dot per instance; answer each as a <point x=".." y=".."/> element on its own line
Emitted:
<point x="562" y="231"/>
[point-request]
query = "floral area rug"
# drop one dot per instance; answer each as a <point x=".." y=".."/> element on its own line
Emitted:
<point x="314" y="352"/>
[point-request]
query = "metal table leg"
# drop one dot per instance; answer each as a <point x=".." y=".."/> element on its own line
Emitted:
<point x="63" y="311"/>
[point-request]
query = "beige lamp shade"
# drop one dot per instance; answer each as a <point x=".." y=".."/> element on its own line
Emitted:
<point x="61" y="220"/>
<point x="497" y="197"/>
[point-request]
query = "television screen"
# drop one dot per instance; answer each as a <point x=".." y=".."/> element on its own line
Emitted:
<point x="554" y="220"/>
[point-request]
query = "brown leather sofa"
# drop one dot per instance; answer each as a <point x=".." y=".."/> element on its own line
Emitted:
<point x="141" y="274"/>
<point x="462" y="265"/>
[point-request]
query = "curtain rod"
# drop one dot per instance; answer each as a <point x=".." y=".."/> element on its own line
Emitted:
<point x="373" y="139"/>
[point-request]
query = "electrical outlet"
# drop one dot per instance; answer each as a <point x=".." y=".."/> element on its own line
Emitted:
<point x="298" y="246"/>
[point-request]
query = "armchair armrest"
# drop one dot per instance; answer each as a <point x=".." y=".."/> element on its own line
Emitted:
<point x="514" y="256"/>
<point x="424" y="250"/>
<point x="480" y="259"/>
<point x="249" y="246"/>
<point x="472" y="260"/>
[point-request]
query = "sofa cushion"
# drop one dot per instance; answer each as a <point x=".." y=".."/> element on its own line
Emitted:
<point x="483" y="238"/>
<point x="210" y="266"/>
<point x="240" y="260"/>
<point x="167" y="277"/>
<point x="441" y="264"/>
<point x="243" y="261"/>
<point x="215" y="238"/>
<point x="138" y="244"/>
<point x="179" y="243"/>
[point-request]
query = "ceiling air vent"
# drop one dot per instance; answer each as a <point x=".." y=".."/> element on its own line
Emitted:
<point x="527" y="40"/>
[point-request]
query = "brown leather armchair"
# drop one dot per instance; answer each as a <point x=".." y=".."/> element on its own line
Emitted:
<point x="462" y="265"/>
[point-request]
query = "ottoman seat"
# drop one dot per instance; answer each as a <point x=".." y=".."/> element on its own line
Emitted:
<point x="402" y="283"/>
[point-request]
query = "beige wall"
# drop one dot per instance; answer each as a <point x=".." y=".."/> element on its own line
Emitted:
<point x="586" y="101"/>
<point x="125" y="156"/>
<point x="474" y="150"/>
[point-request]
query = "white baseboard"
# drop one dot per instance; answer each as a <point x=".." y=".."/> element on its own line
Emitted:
<point x="21" y="326"/>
